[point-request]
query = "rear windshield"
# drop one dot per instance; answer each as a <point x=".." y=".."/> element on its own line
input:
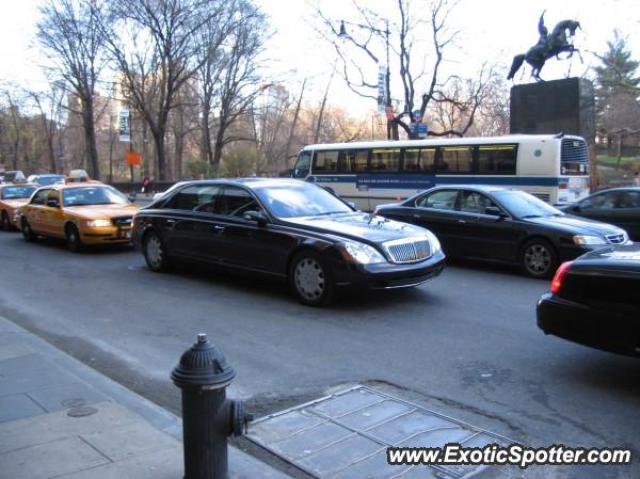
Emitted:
<point x="13" y="192"/>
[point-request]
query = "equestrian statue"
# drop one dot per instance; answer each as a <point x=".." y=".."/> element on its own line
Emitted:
<point x="549" y="45"/>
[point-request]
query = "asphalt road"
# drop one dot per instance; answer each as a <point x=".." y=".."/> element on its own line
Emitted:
<point x="465" y="344"/>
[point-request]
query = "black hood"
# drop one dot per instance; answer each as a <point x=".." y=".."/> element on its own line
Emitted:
<point x="358" y="226"/>
<point x="577" y="226"/>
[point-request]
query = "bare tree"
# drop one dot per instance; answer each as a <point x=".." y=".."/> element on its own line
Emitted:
<point x="154" y="44"/>
<point x="69" y="33"/>
<point x="421" y="91"/>
<point x="49" y="104"/>
<point x="239" y="79"/>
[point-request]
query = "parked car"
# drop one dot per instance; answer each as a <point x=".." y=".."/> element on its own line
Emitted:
<point x="12" y="176"/>
<point x="286" y="229"/>
<point x="13" y="197"/>
<point x="594" y="300"/>
<point x="505" y="225"/>
<point x="46" y="179"/>
<point x="81" y="213"/>
<point x="618" y="206"/>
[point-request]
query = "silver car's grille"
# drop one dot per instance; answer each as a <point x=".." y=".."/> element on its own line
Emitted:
<point x="408" y="251"/>
<point x="615" y="239"/>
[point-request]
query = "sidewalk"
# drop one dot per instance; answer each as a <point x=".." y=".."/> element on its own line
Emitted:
<point x="62" y="419"/>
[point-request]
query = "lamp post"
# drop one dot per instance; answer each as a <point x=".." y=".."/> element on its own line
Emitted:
<point x="385" y="33"/>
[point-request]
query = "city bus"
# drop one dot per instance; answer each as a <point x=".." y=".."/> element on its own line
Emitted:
<point x="554" y="168"/>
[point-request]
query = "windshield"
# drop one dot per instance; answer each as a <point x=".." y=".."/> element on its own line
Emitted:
<point x="524" y="205"/>
<point x="93" y="195"/>
<point x="49" y="180"/>
<point x="304" y="199"/>
<point x="13" y="192"/>
<point x="301" y="169"/>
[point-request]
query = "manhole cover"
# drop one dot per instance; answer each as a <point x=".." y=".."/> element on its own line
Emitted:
<point x="81" y="411"/>
<point x="347" y="434"/>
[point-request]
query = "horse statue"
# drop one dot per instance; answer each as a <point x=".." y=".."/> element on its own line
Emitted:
<point x="549" y="45"/>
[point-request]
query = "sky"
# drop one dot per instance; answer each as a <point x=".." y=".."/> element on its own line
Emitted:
<point x="490" y="31"/>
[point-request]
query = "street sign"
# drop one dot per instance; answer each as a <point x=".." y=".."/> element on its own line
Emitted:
<point x="382" y="88"/>
<point x="416" y="116"/>
<point x="133" y="158"/>
<point x="419" y="129"/>
<point x="125" y="126"/>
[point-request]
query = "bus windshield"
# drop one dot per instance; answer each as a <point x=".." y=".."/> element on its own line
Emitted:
<point x="303" y="165"/>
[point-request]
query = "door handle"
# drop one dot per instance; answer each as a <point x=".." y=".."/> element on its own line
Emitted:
<point x="218" y="228"/>
<point x="170" y="221"/>
<point x="416" y="216"/>
<point x="462" y="221"/>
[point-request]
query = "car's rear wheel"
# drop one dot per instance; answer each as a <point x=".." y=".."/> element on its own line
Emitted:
<point x="539" y="258"/>
<point x="311" y="279"/>
<point x="74" y="243"/>
<point x="27" y="232"/>
<point x="6" y="224"/>
<point x="155" y="253"/>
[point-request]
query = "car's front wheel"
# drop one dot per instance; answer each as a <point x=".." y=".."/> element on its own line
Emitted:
<point x="155" y="253"/>
<point x="27" y="232"/>
<point x="74" y="243"/>
<point x="539" y="258"/>
<point x="311" y="279"/>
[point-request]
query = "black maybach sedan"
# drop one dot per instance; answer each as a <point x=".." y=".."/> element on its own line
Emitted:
<point x="502" y="224"/>
<point x="594" y="300"/>
<point x="288" y="229"/>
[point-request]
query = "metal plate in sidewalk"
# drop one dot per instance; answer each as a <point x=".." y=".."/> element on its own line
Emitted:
<point x="346" y="435"/>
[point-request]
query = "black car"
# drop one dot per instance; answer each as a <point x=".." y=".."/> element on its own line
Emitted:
<point x="618" y="206"/>
<point x="505" y="225"/>
<point x="288" y="229"/>
<point x="594" y="300"/>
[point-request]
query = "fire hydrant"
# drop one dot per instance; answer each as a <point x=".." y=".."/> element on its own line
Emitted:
<point x="208" y="418"/>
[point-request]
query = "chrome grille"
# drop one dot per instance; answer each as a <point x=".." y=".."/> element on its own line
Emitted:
<point x="615" y="239"/>
<point x="408" y="251"/>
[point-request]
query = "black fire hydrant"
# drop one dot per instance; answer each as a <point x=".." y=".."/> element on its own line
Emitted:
<point x="208" y="418"/>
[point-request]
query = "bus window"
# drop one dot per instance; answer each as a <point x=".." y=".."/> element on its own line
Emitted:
<point x="419" y="160"/>
<point x="326" y="162"/>
<point x="456" y="159"/>
<point x="385" y="160"/>
<point x="354" y="161"/>
<point x="301" y="169"/>
<point x="497" y="159"/>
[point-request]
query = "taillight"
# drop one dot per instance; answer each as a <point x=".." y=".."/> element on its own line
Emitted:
<point x="558" y="278"/>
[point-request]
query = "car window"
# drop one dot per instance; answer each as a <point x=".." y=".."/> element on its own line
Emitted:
<point x="195" y="198"/>
<point x="443" y="200"/>
<point x="600" y="201"/>
<point x="474" y="202"/>
<point x="39" y="197"/>
<point x="235" y="201"/>
<point x="629" y="199"/>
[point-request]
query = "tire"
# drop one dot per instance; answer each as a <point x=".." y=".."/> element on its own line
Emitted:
<point x="311" y="279"/>
<point x="74" y="243"/>
<point x="6" y="224"/>
<point x="155" y="253"/>
<point x="27" y="232"/>
<point x="539" y="259"/>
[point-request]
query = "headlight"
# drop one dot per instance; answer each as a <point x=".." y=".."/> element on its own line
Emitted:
<point x="362" y="253"/>
<point x="98" y="223"/>
<point x="434" y="242"/>
<point x="588" y="240"/>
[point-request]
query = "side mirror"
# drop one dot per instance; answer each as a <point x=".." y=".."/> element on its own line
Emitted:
<point x="132" y="196"/>
<point x="257" y="216"/>
<point x="494" y="211"/>
<point x="53" y="203"/>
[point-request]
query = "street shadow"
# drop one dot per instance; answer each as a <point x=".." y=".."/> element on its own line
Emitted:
<point x="55" y="244"/>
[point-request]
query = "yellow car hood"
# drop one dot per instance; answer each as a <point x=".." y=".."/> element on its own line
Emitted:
<point x="95" y="212"/>
<point x="17" y="203"/>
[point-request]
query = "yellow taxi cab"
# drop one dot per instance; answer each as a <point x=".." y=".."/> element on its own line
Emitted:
<point x="12" y="197"/>
<point x="83" y="213"/>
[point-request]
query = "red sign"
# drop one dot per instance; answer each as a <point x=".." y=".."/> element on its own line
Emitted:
<point x="133" y="158"/>
<point x="391" y="114"/>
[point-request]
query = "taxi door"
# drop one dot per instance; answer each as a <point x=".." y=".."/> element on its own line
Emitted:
<point x="53" y="216"/>
<point x="34" y="211"/>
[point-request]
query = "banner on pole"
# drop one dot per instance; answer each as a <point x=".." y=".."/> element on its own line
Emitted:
<point x="382" y="88"/>
<point x="125" y="126"/>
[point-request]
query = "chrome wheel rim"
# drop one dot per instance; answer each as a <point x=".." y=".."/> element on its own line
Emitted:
<point x="154" y="252"/>
<point x="309" y="279"/>
<point x="73" y="237"/>
<point x="537" y="259"/>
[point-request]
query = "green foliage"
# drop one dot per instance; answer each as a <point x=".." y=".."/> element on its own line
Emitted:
<point x="196" y="168"/>
<point x="618" y="69"/>
<point x="242" y="160"/>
